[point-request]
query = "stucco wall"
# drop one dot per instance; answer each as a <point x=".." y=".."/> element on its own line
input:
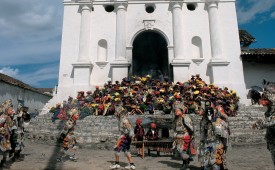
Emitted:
<point x="255" y="72"/>
<point x="195" y="24"/>
<point x="32" y="99"/>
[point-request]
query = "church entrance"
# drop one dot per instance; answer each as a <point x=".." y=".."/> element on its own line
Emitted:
<point x="150" y="56"/>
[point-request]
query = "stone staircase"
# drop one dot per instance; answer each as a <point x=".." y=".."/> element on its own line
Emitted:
<point x="98" y="132"/>
<point x="241" y="125"/>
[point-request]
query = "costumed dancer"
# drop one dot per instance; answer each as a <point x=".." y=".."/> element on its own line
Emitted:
<point x="268" y="100"/>
<point x="213" y="130"/>
<point x="124" y="141"/>
<point x="139" y="134"/>
<point x="224" y="133"/>
<point x="68" y="146"/>
<point x="5" y="122"/>
<point x="68" y="137"/>
<point x="20" y="120"/>
<point x="184" y="132"/>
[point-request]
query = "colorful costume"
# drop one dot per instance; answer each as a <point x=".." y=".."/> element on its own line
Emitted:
<point x="20" y="120"/>
<point x="67" y="137"/>
<point x="124" y="141"/>
<point x="5" y="124"/>
<point x="68" y="145"/>
<point x="213" y="131"/>
<point x="183" y="134"/>
<point x="268" y="99"/>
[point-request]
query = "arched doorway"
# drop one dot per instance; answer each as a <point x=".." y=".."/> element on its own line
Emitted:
<point x="150" y="56"/>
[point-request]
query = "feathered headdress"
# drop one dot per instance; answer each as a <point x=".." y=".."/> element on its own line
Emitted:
<point x="120" y="110"/>
<point x="179" y="105"/>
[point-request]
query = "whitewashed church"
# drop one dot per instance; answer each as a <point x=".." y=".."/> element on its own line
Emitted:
<point x="107" y="40"/>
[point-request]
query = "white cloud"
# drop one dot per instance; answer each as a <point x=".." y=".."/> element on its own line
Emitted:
<point x="30" y="31"/>
<point x="35" y="78"/>
<point x="9" y="71"/>
<point x="249" y="9"/>
<point x="273" y="15"/>
<point x="23" y="20"/>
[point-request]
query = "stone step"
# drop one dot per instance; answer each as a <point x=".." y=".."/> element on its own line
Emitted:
<point x="247" y="139"/>
<point x="80" y="125"/>
<point x="103" y="131"/>
<point x="247" y="132"/>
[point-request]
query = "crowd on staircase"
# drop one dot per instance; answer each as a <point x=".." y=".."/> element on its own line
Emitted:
<point x="141" y="95"/>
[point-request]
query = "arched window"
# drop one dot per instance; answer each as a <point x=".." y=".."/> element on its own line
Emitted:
<point x="102" y="50"/>
<point x="197" y="48"/>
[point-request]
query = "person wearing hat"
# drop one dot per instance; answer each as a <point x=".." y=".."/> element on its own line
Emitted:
<point x="268" y="100"/>
<point x="20" y="119"/>
<point x="67" y="138"/>
<point x="124" y="141"/>
<point x="89" y="97"/>
<point x="81" y="98"/>
<point x="224" y="136"/>
<point x="152" y="135"/>
<point x="184" y="132"/>
<point x="139" y="134"/>
<point x="212" y="150"/>
<point x="135" y="107"/>
<point x="149" y="102"/>
<point x="6" y="124"/>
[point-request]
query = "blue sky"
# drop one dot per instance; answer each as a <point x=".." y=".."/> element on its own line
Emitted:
<point x="30" y="35"/>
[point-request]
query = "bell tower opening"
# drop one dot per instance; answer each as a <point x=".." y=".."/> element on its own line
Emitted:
<point x="150" y="56"/>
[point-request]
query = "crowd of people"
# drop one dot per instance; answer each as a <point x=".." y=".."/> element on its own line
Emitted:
<point x="12" y="123"/>
<point x="141" y="95"/>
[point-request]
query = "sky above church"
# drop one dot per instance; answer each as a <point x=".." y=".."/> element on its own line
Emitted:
<point x="30" y="36"/>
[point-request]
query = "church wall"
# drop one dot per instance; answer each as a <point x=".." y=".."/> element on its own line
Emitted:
<point x="160" y="19"/>
<point x="136" y="15"/>
<point x="102" y="29"/>
<point x="231" y="48"/>
<point x="196" y="24"/>
<point x="69" y="50"/>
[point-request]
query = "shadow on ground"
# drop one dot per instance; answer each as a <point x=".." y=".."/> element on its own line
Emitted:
<point x="178" y="165"/>
<point x="52" y="163"/>
<point x="122" y="164"/>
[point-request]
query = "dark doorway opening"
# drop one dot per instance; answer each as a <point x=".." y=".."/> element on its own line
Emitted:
<point x="150" y="56"/>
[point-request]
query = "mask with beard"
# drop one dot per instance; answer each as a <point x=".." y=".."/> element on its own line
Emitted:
<point x="209" y="113"/>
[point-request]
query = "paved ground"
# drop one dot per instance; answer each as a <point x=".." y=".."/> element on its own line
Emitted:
<point x="41" y="156"/>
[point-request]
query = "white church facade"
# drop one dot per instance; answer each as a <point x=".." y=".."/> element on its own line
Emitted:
<point x="107" y="40"/>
